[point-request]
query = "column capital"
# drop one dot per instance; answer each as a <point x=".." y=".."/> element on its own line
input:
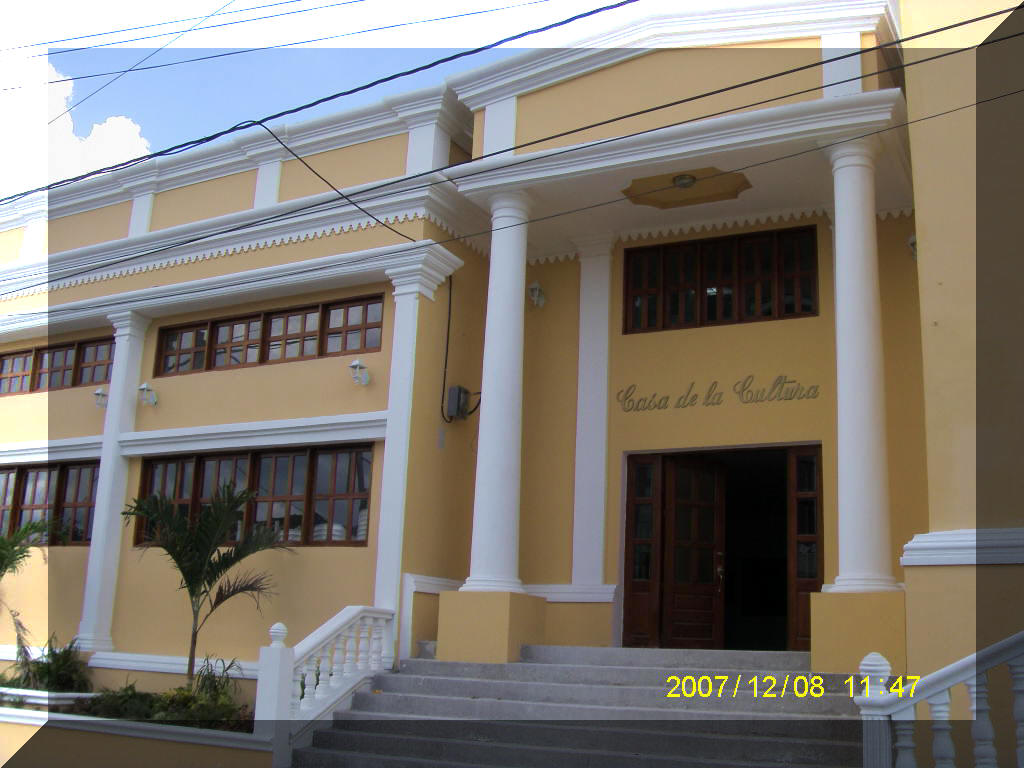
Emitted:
<point x="594" y="244"/>
<point x="514" y="204"/>
<point x="128" y="323"/>
<point x="432" y="265"/>
<point x="860" y="151"/>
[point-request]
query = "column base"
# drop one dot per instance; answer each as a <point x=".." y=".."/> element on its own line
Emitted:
<point x="488" y="627"/>
<point x="846" y="627"/>
<point x="863" y="584"/>
<point x="489" y="584"/>
<point x="87" y="641"/>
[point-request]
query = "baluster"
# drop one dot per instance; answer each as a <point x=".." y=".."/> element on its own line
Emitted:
<point x="364" y="633"/>
<point x="350" y="649"/>
<point x="981" y="728"/>
<point x="324" y="670"/>
<point x="903" y="724"/>
<point x="296" y="689"/>
<point x="309" y="680"/>
<point x="1017" y="675"/>
<point x="339" y="660"/>
<point x="942" y="745"/>
<point x="377" y="646"/>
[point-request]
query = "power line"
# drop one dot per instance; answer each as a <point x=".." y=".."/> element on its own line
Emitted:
<point x="222" y="55"/>
<point x="250" y="281"/>
<point x="145" y="26"/>
<point x="164" y="34"/>
<point x="303" y="209"/>
<point x="178" y="148"/>
<point x="140" y="61"/>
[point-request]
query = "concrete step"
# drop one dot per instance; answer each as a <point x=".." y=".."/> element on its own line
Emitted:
<point x="594" y="674"/>
<point x="666" y="657"/>
<point x="686" y="738"/>
<point x="617" y="696"/>
<point x="485" y="708"/>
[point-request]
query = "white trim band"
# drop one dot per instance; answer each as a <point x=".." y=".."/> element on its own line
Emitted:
<point x="967" y="546"/>
<point x="169" y="665"/>
<point x="342" y="428"/>
<point x="35" y="451"/>
<point x="573" y="593"/>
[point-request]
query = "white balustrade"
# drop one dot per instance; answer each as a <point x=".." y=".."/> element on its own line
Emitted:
<point x="308" y="680"/>
<point x="888" y="713"/>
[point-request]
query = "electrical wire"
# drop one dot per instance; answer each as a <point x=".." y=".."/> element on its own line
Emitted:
<point x="178" y="148"/>
<point x="140" y="61"/>
<point x="321" y="204"/>
<point x="250" y="281"/>
<point x="447" y="342"/>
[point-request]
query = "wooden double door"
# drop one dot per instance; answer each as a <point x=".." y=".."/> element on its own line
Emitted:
<point x="677" y="554"/>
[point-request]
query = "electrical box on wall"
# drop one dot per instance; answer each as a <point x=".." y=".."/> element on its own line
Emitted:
<point x="458" y="402"/>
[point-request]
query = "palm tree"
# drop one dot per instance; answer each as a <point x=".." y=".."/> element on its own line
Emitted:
<point x="14" y="551"/>
<point x="203" y="553"/>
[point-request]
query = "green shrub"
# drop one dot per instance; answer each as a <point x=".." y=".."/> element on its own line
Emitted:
<point x="59" y="669"/>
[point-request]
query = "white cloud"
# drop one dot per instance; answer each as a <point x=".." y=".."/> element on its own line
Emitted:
<point x="115" y="139"/>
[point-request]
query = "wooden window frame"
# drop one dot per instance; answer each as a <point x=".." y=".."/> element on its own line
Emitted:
<point x="34" y="369"/>
<point x="322" y="311"/>
<point x="53" y="509"/>
<point x="196" y="500"/>
<point x="737" y="282"/>
<point x="82" y="364"/>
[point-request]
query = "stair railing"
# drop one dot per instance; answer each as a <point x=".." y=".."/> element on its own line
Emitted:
<point x="886" y="714"/>
<point x="301" y="684"/>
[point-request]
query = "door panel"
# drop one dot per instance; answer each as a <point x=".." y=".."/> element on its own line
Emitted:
<point x="804" y="542"/>
<point x="693" y="551"/>
<point x="642" y="575"/>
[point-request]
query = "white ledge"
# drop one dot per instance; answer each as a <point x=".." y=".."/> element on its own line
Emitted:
<point x="573" y="593"/>
<point x="342" y="428"/>
<point x="967" y="546"/>
<point x="37" y="451"/>
<point x="171" y="665"/>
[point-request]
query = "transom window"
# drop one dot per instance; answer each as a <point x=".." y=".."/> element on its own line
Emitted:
<point x="58" y="367"/>
<point x="738" y="279"/>
<point x="309" y="496"/>
<point x="64" y="495"/>
<point x="302" y="333"/>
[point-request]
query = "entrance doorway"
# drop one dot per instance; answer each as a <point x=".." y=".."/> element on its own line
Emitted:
<point x="722" y="548"/>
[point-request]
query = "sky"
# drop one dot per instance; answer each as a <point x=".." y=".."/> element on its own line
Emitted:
<point x="149" y="110"/>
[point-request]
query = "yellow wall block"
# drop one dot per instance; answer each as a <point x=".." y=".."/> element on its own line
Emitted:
<point x="424" y="619"/>
<point x="356" y="164"/>
<point x="47" y="594"/>
<point x="204" y="200"/>
<point x="549" y="425"/>
<point x="13" y="737"/>
<point x="478" y="133"/>
<point x="846" y="626"/>
<point x="658" y="77"/>
<point x="89" y="227"/>
<point x="578" y="624"/>
<point x="488" y="627"/>
<point x="10" y="244"/>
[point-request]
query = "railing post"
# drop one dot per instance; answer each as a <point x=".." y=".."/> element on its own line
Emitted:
<point x="942" y="736"/>
<point x="877" y="729"/>
<point x="1017" y="675"/>
<point x="274" y="695"/>
<point x="981" y="728"/>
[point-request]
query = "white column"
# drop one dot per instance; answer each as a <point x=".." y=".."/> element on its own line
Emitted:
<point x="837" y="44"/>
<point x="591" y="411"/>
<point x="865" y="556"/>
<point x="420" y="277"/>
<point x="494" y="558"/>
<point x="112" y="485"/>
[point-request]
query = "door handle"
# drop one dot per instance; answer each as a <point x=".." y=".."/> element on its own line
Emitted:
<point x="721" y="576"/>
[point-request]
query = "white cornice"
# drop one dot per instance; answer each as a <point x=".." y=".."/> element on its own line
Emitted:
<point x="720" y="223"/>
<point x="342" y="428"/>
<point x="20" y="213"/>
<point x="439" y="203"/>
<point x="45" y="451"/>
<point x="819" y="120"/>
<point x="247" y="150"/>
<point x="768" y="21"/>
<point x="573" y="593"/>
<point x="968" y="546"/>
<point x="278" y="280"/>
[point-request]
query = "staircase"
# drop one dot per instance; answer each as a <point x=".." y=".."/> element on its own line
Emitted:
<point x="567" y="707"/>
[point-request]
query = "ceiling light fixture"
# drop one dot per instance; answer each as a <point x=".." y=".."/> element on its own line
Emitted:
<point x="684" y="181"/>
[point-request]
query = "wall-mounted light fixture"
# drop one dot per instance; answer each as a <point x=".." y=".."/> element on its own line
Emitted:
<point x="536" y="294"/>
<point x="147" y="395"/>
<point x="101" y="397"/>
<point x="360" y="375"/>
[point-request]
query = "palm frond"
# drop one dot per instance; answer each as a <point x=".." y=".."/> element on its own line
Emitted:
<point x="252" y="584"/>
<point x="17" y="548"/>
